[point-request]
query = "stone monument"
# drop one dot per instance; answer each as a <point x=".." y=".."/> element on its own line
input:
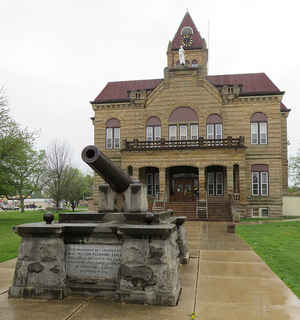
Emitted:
<point x="123" y="252"/>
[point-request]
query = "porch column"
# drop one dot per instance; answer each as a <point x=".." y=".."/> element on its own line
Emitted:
<point x="245" y="183"/>
<point x="135" y="173"/>
<point x="229" y="172"/>
<point x="162" y="183"/>
<point x="201" y="177"/>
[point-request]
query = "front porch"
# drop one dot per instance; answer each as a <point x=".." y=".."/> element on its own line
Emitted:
<point x="205" y="193"/>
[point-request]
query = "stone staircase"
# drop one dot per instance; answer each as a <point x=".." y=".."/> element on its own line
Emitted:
<point x="218" y="210"/>
<point x="187" y="209"/>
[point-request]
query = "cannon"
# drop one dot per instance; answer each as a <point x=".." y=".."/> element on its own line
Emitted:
<point x="104" y="167"/>
<point x="120" y="192"/>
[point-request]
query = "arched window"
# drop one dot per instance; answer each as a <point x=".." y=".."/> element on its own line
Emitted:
<point x="187" y="61"/>
<point x="214" y="127"/>
<point x="260" y="180"/>
<point x="177" y="63"/>
<point x="183" y="123"/>
<point x="112" y="134"/>
<point x="153" y="129"/>
<point x="259" y="128"/>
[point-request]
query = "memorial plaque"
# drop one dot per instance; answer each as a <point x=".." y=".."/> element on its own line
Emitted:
<point x="96" y="261"/>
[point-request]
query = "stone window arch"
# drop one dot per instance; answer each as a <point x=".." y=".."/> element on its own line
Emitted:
<point x="153" y="129"/>
<point x="214" y="127"/>
<point x="260" y="179"/>
<point x="183" y="124"/>
<point x="112" y="134"/>
<point x="259" y="128"/>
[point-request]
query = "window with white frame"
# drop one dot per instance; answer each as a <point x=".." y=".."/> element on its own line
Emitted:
<point x="153" y="133"/>
<point x="259" y="128"/>
<point x="214" y="127"/>
<point x="215" y="183"/>
<point x="214" y="131"/>
<point x="173" y="132"/>
<point x="194" y="132"/>
<point x="152" y="183"/>
<point x="183" y="132"/>
<point x="112" y="134"/>
<point x="259" y="133"/>
<point x="260" y="183"/>
<point x="153" y="129"/>
<point x="112" y="138"/>
<point x="260" y="212"/>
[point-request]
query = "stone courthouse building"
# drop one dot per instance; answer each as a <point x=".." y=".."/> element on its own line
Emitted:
<point x="203" y="144"/>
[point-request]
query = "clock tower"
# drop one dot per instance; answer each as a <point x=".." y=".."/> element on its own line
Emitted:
<point x="195" y="49"/>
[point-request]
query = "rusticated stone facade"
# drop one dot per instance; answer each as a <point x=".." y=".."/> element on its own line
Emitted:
<point x="237" y="100"/>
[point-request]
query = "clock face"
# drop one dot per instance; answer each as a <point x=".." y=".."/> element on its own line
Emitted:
<point x="187" y="41"/>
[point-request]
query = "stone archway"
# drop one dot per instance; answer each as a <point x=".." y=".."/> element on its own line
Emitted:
<point x="183" y="183"/>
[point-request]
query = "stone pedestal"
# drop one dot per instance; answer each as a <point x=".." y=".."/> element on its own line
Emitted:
<point x="40" y="269"/>
<point x="132" y="257"/>
<point x="149" y="266"/>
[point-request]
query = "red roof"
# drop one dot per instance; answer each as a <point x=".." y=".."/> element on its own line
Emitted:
<point x="118" y="91"/>
<point x="197" y="40"/>
<point x="251" y="84"/>
<point x="283" y="108"/>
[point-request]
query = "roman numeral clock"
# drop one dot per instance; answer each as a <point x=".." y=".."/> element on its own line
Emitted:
<point x="187" y="37"/>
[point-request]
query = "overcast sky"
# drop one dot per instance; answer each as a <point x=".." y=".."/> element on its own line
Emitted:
<point x="57" y="55"/>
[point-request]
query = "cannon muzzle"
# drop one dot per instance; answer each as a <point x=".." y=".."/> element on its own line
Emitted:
<point x="118" y="180"/>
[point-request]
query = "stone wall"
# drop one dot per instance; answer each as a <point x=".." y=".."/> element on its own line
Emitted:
<point x="190" y="89"/>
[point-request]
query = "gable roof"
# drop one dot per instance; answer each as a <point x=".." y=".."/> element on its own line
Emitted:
<point x="251" y="84"/>
<point x="197" y="40"/>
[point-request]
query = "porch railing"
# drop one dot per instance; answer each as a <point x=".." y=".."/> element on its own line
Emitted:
<point x="201" y="143"/>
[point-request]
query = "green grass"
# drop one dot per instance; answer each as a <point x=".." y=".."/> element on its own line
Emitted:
<point x="269" y="218"/>
<point x="9" y="241"/>
<point x="278" y="244"/>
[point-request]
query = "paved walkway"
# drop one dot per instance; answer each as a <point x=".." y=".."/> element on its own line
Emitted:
<point x="224" y="280"/>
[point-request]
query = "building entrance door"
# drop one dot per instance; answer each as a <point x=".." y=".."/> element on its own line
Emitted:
<point x="184" y="189"/>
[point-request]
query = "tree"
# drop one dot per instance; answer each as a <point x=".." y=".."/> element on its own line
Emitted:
<point x="294" y="170"/>
<point x="75" y="188"/>
<point x="57" y="175"/>
<point x="88" y="186"/>
<point x="23" y="172"/>
<point x="14" y="142"/>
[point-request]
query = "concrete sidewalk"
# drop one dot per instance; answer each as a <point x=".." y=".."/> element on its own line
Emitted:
<point x="224" y="280"/>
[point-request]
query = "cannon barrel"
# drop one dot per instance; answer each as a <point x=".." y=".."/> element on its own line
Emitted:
<point x="118" y="180"/>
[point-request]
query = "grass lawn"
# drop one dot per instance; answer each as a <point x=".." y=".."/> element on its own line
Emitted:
<point x="269" y="218"/>
<point x="9" y="241"/>
<point x="278" y="244"/>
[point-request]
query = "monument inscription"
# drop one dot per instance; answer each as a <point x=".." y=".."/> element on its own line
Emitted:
<point x="85" y="261"/>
